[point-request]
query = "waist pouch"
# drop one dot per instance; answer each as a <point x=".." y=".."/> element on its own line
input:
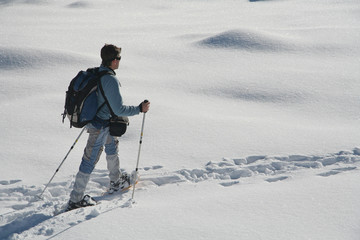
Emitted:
<point x="118" y="126"/>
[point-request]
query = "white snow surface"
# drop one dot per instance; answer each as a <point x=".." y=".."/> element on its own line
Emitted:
<point x="253" y="131"/>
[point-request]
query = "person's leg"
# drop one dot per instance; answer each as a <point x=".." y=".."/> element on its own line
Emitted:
<point x="92" y="152"/>
<point x="118" y="180"/>
<point x="112" y="158"/>
<point x="81" y="181"/>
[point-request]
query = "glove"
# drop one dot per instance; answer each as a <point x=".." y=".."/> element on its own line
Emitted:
<point x="141" y="105"/>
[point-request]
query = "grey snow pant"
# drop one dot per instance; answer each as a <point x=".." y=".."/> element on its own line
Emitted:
<point x="98" y="138"/>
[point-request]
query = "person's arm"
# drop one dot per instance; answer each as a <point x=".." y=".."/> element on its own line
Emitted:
<point x="112" y="91"/>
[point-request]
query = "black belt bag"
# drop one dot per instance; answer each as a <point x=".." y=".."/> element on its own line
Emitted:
<point x="118" y="126"/>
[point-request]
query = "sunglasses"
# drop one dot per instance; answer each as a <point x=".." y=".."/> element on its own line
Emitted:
<point x="118" y="58"/>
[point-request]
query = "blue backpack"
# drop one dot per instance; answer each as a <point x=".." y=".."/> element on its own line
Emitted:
<point x="81" y="97"/>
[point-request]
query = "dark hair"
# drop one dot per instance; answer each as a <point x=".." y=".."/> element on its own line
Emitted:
<point x="108" y="53"/>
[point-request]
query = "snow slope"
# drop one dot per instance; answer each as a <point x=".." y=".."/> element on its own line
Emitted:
<point x="257" y="197"/>
<point x="252" y="133"/>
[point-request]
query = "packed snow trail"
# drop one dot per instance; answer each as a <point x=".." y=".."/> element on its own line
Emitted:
<point x="23" y="215"/>
<point x="273" y="168"/>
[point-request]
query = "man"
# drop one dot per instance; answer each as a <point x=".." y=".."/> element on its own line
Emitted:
<point x="99" y="135"/>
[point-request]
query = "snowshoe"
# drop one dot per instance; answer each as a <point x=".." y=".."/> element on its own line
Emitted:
<point x="85" y="202"/>
<point x="122" y="183"/>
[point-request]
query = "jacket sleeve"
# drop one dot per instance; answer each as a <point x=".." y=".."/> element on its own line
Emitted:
<point x="111" y="88"/>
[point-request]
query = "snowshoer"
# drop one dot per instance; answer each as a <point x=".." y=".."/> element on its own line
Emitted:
<point x="99" y="135"/>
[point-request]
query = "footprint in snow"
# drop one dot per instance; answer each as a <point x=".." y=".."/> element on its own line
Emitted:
<point x="336" y="171"/>
<point x="10" y="182"/>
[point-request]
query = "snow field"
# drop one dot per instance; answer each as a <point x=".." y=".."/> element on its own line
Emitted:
<point x="252" y="133"/>
<point x="33" y="218"/>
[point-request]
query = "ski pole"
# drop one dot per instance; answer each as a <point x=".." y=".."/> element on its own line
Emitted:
<point x="138" y="157"/>
<point x="62" y="162"/>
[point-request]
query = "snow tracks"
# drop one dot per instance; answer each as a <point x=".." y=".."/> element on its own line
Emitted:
<point x="231" y="171"/>
<point x="24" y="216"/>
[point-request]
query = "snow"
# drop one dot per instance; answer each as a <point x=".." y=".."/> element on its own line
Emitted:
<point x="252" y="134"/>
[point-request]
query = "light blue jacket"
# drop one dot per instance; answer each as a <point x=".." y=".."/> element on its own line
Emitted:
<point x="111" y="87"/>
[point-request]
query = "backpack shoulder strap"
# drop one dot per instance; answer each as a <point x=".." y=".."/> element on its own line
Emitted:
<point x="103" y="94"/>
<point x="99" y="75"/>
